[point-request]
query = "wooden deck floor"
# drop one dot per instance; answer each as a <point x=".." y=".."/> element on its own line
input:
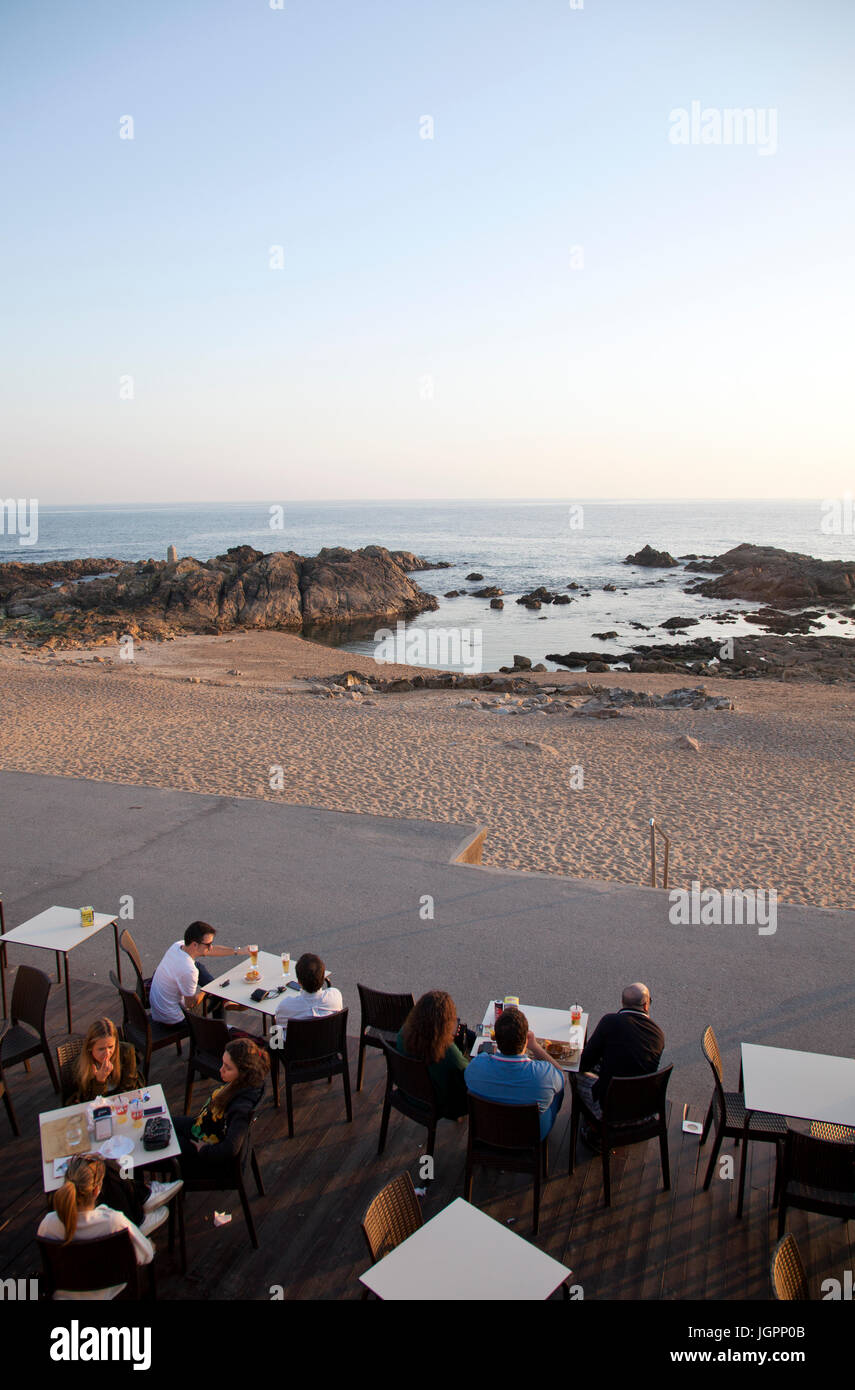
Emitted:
<point x="682" y="1244"/>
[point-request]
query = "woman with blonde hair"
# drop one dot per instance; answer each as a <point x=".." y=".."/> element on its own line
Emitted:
<point x="428" y="1035"/>
<point x="215" y="1136"/>
<point x="78" y="1215"/>
<point x="105" y="1065"/>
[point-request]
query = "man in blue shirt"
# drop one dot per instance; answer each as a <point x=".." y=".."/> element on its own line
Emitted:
<point x="515" y="1078"/>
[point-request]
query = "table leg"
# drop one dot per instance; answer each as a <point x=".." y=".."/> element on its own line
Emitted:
<point x="67" y="993"/>
<point x="59" y="967"/>
<point x="116" y="944"/>
<point x="743" y="1160"/>
<point x="3" y="973"/>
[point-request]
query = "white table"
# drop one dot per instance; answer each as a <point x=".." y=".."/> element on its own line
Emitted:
<point x="462" y="1254"/>
<point x="57" y="929"/>
<point x="238" y="989"/>
<point x="138" y="1157"/>
<point x="553" y="1024"/>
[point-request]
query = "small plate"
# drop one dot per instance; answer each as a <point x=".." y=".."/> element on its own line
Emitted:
<point x="117" y="1147"/>
<point x="252" y="975"/>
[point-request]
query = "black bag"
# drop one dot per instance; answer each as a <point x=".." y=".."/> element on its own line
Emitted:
<point x="157" y="1133"/>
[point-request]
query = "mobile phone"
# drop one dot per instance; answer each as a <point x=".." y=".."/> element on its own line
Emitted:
<point x="153" y="1110"/>
<point x="488" y="1047"/>
<point x="293" y="984"/>
<point x="223" y="984"/>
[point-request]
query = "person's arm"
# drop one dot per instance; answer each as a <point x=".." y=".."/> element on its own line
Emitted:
<point x="535" y="1050"/>
<point x="592" y="1053"/>
<point x="229" y="951"/>
<point x="237" y="1121"/>
<point x="131" y="1079"/>
<point x="143" y="1248"/>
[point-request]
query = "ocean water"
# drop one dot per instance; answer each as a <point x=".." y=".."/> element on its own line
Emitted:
<point x="515" y="545"/>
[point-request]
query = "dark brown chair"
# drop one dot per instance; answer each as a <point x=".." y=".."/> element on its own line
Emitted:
<point x="506" y="1137"/>
<point x="4" y="1092"/>
<point x="139" y="1028"/>
<point x="27" y="1035"/>
<point x="817" y="1175"/>
<point x="209" y="1038"/>
<point x="789" y="1281"/>
<point x="633" y="1112"/>
<point x="410" y="1091"/>
<point x="231" y="1176"/>
<point x="728" y="1110"/>
<point x="131" y="950"/>
<point x="820" y="1130"/>
<point x="82" y="1266"/>
<point x="313" y="1049"/>
<point x="391" y="1217"/>
<point x="381" y="1020"/>
<point x="67" y="1054"/>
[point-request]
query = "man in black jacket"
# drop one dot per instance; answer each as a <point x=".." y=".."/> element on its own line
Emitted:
<point x="627" y="1043"/>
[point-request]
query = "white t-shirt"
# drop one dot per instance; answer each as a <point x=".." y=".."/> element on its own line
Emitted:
<point x="326" y="1000"/>
<point x="175" y="979"/>
<point x="100" y="1221"/>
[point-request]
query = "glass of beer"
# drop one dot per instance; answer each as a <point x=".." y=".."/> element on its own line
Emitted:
<point x="253" y="956"/>
<point x="286" y="962"/>
<point x="120" y="1109"/>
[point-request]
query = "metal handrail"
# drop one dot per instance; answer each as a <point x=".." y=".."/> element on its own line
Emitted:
<point x="654" y="831"/>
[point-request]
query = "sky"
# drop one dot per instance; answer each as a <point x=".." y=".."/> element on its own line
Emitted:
<point x="496" y="272"/>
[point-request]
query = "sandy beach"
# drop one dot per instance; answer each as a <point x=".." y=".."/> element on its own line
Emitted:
<point x="765" y="802"/>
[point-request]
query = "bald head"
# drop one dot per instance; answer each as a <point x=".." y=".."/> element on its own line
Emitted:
<point x="636" y="996"/>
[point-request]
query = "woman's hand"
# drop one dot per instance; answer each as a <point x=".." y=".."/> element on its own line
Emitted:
<point x="197" y="1145"/>
<point x="105" y="1069"/>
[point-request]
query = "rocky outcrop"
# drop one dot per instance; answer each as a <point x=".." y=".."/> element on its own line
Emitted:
<point x="652" y="559"/>
<point x="782" y="578"/>
<point x="242" y="589"/>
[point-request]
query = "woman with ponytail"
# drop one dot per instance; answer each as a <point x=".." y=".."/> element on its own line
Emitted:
<point x="78" y="1215"/>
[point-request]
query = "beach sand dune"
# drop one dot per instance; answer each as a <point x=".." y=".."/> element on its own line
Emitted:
<point x="766" y="802"/>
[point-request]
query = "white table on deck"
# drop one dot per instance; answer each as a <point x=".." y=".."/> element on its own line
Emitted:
<point x="804" y="1085"/>
<point x="138" y="1157"/>
<point x="462" y="1254"/>
<point x="553" y="1024"/>
<point x="57" y="929"/>
<point x="239" y="989"/>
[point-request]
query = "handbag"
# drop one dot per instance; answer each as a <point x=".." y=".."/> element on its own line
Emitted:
<point x="157" y="1133"/>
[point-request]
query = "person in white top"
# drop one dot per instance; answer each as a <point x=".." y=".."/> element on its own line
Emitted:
<point x="77" y="1216"/>
<point x="176" y="980"/>
<point x="316" y="999"/>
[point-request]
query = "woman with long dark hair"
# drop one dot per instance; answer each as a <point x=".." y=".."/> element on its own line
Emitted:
<point x="427" y="1034"/>
<point x="216" y="1133"/>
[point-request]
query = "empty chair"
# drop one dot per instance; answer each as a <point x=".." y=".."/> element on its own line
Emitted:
<point x="27" y="1034"/>
<point x="633" y="1111"/>
<point x="67" y="1054"/>
<point x="209" y="1038"/>
<point x="506" y="1137"/>
<point x="382" y="1017"/>
<point x="788" y="1273"/>
<point x="93" y="1266"/>
<point x="817" y="1175"/>
<point x="131" y="950"/>
<point x="7" y="1099"/>
<point x="313" y="1049"/>
<point x="820" y="1130"/>
<point x="391" y="1217"/>
<point x="410" y="1091"/>
<point x="142" y="1030"/>
<point x="728" y="1110"/>
<point x="231" y="1176"/>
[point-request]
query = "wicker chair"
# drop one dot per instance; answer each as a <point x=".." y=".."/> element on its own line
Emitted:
<point x="314" y="1049"/>
<point x="506" y="1137"/>
<point x="817" y="1175"/>
<point x="131" y="950"/>
<point x="410" y="1091"/>
<point x="728" y="1109"/>
<point x="845" y="1134"/>
<point x="633" y="1112"/>
<point x="67" y="1054"/>
<point x="382" y="1017"/>
<point x="139" y="1028"/>
<point x="391" y="1218"/>
<point x="788" y="1273"/>
<point x="4" y="1092"/>
<point x="27" y="1035"/>
<point x="84" y="1266"/>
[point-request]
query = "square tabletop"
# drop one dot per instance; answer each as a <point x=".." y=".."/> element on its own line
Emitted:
<point x="138" y="1156"/>
<point x="462" y="1254"/>
<point x="553" y="1024"/>
<point x="58" y="929"/>
<point x="804" y="1085"/>
<point x="239" y="989"/>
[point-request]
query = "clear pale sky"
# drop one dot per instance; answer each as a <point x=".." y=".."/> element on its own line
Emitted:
<point x="433" y="332"/>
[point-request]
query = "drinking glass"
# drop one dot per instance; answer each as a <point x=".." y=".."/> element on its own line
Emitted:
<point x="120" y="1109"/>
<point x="253" y="956"/>
<point x="74" y="1132"/>
<point x="286" y="962"/>
<point x="136" y="1112"/>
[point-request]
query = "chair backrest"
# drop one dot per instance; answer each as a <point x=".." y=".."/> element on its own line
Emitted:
<point x="30" y="998"/>
<point x="394" y="1215"/>
<point x="67" y="1054"/>
<point x="709" y="1047"/>
<point x="383" y="1011"/>
<point x="85" y="1265"/>
<point x="633" y="1098"/>
<point x="311" y="1039"/>
<point x="131" y="950"/>
<point x="788" y="1273"/>
<point x="209" y="1036"/>
<point x="821" y="1163"/>
<point x="503" y="1126"/>
<point x="410" y="1076"/>
<point x="820" y="1130"/>
<point x="136" y="1025"/>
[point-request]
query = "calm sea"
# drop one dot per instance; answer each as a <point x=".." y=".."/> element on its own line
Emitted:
<point x="515" y="545"/>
